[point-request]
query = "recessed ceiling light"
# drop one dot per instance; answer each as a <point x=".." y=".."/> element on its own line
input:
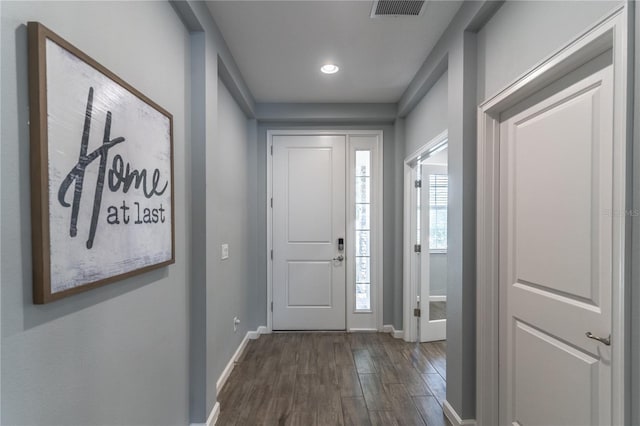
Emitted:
<point x="329" y="69"/>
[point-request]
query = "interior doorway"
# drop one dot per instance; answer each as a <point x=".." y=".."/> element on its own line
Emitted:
<point x="426" y="203"/>
<point x="552" y="253"/>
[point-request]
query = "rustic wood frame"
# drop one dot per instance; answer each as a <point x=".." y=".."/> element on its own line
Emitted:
<point x="38" y="127"/>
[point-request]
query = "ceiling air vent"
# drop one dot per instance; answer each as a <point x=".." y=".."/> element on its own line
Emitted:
<point x="397" y="8"/>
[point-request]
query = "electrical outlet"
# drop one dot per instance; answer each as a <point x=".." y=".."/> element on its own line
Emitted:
<point x="224" y="251"/>
<point x="236" y="322"/>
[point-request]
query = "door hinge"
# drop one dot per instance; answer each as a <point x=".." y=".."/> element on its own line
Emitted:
<point x="271" y="202"/>
<point x="271" y="149"/>
<point x="416" y="312"/>
<point x="417" y="248"/>
<point x="418" y="184"/>
<point x="271" y="254"/>
<point x="271" y="306"/>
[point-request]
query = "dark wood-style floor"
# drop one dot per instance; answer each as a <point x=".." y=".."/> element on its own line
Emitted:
<point x="317" y="379"/>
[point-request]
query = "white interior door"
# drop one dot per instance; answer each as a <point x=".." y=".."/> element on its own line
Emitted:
<point x="308" y="219"/>
<point x="556" y="256"/>
<point x="433" y="294"/>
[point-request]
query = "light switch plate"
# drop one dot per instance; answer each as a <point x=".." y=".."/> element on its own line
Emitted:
<point x="224" y="249"/>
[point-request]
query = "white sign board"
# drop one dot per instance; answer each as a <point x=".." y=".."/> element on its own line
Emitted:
<point x="109" y="200"/>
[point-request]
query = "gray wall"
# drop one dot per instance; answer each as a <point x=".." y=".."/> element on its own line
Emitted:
<point x="532" y="29"/>
<point x="428" y="118"/>
<point x="438" y="274"/>
<point x="118" y="354"/>
<point x="392" y="251"/>
<point x="150" y="349"/>
<point x="233" y="170"/>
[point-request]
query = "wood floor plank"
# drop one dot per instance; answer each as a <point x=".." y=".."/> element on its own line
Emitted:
<point x="348" y="381"/>
<point x="431" y="411"/>
<point x="413" y="381"/>
<point x="343" y="355"/>
<point x="354" y="411"/>
<point x="374" y="392"/>
<point x="364" y="363"/>
<point x="383" y="418"/>
<point x="404" y="409"/>
<point x="301" y="418"/>
<point x="437" y="385"/>
<point x="329" y="405"/>
<point x="256" y="406"/>
<point x="283" y="398"/>
<point x="386" y="370"/>
<point x="436" y="353"/>
<point x="418" y="360"/>
<point x="304" y="394"/>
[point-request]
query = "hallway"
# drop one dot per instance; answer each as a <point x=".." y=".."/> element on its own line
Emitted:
<point x="336" y="379"/>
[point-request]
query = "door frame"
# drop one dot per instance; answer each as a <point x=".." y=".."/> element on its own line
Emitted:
<point x="410" y="274"/>
<point x="376" y="221"/>
<point x="610" y="33"/>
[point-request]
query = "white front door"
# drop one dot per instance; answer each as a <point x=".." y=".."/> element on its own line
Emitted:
<point x="556" y="255"/>
<point x="308" y="219"/>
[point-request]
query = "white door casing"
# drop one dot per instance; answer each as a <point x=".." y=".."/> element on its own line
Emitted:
<point x="556" y="257"/>
<point x="308" y="219"/>
<point x="344" y="146"/>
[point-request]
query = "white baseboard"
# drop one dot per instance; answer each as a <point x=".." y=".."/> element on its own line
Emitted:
<point x="437" y="298"/>
<point x="251" y="335"/>
<point x="398" y="334"/>
<point x="213" y="417"/>
<point x="362" y="330"/>
<point x="454" y="418"/>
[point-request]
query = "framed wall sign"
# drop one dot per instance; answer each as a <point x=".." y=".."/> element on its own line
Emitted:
<point x="102" y="201"/>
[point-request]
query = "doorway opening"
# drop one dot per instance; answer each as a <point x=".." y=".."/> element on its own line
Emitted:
<point x="426" y="202"/>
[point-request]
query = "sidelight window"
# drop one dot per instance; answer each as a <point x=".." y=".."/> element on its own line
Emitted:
<point x="363" y="230"/>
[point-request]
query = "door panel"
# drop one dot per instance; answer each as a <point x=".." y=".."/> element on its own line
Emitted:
<point x="310" y="195"/>
<point x="556" y="257"/>
<point x="569" y="373"/>
<point x="308" y="218"/>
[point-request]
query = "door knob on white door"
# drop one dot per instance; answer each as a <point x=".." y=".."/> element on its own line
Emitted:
<point x="339" y="258"/>
<point x="605" y="340"/>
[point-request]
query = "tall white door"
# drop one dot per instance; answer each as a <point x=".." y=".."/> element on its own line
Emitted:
<point x="308" y="219"/>
<point x="433" y="283"/>
<point x="556" y="256"/>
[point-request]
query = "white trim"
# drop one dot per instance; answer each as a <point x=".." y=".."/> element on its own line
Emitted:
<point x="251" y="335"/>
<point x="454" y="417"/>
<point x="269" y="247"/>
<point x="397" y="334"/>
<point x="609" y="33"/>
<point x="362" y="330"/>
<point x="410" y="264"/>
<point x="376" y="248"/>
<point x="213" y="417"/>
<point x="433" y="298"/>
<point x="372" y="318"/>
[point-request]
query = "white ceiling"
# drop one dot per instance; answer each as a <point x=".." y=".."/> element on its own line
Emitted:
<point x="279" y="47"/>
